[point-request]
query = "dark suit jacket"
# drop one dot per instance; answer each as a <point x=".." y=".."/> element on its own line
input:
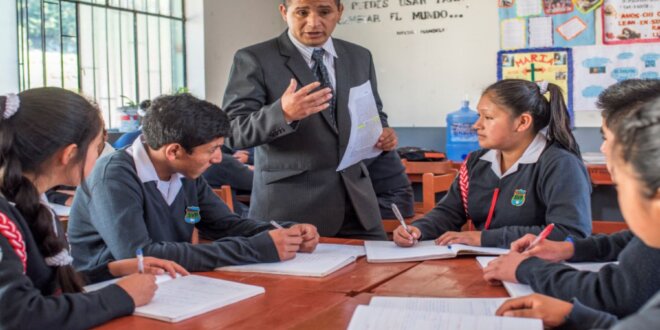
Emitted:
<point x="295" y="174"/>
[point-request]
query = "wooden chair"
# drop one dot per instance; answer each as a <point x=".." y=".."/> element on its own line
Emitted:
<point x="433" y="184"/>
<point x="416" y="170"/>
<point x="224" y="193"/>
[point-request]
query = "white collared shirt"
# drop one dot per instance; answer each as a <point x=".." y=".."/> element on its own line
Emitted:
<point x="530" y="156"/>
<point x="147" y="172"/>
<point x="328" y="57"/>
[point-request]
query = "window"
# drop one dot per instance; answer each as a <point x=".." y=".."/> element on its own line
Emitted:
<point x="113" y="51"/>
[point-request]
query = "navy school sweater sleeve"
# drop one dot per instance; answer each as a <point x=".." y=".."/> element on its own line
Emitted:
<point x="123" y="214"/>
<point x="556" y="190"/>
<point x="601" y="247"/>
<point x="617" y="289"/>
<point x="29" y="301"/>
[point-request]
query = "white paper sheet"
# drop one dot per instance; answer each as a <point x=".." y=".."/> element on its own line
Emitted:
<point x="326" y="259"/>
<point x="377" y="318"/>
<point x="540" y="32"/>
<point x="387" y="251"/>
<point x="366" y="127"/>
<point x="528" y="8"/>
<point x="513" y="34"/>
<point x="572" y="28"/>
<point x="472" y="306"/>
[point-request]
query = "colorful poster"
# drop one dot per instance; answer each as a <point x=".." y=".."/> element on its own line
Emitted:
<point x="550" y="64"/>
<point x="597" y="67"/>
<point x="631" y="21"/>
<point x="586" y="6"/>
<point x="562" y="28"/>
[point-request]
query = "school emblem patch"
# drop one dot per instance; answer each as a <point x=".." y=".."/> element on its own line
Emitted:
<point x="192" y="215"/>
<point x="518" y="198"/>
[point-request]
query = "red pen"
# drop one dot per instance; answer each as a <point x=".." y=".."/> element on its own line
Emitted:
<point x="541" y="236"/>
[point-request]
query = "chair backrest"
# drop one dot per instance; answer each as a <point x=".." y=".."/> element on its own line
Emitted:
<point x="224" y="193"/>
<point x="433" y="184"/>
<point x="419" y="168"/>
<point x="607" y="227"/>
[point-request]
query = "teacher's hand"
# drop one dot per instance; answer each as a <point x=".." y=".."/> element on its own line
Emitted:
<point x="387" y="140"/>
<point x="303" y="103"/>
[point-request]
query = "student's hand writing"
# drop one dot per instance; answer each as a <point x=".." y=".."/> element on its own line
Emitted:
<point x="152" y="265"/>
<point x="504" y="268"/>
<point x="546" y="249"/>
<point x="404" y="238"/>
<point x="242" y="156"/>
<point x="310" y="237"/>
<point x="300" y="104"/>
<point x="472" y="238"/>
<point x="287" y="242"/>
<point x="387" y="140"/>
<point x="141" y="287"/>
<point x="552" y="311"/>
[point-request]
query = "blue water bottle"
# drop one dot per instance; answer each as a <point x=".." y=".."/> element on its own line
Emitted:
<point x="461" y="137"/>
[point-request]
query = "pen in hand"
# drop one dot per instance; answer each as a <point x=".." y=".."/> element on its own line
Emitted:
<point x="276" y="225"/>
<point x="398" y="215"/>
<point x="541" y="236"/>
<point x="140" y="258"/>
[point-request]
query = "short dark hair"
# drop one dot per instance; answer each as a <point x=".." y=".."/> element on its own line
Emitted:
<point x="625" y="96"/>
<point x="636" y="141"/>
<point x="183" y="119"/>
<point x="521" y="96"/>
<point x="286" y="2"/>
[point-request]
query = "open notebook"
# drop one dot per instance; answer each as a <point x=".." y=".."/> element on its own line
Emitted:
<point x="386" y="251"/>
<point x="436" y="313"/>
<point x="517" y="289"/>
<point x="184" y="297"/>
<point x="326" y="259"/>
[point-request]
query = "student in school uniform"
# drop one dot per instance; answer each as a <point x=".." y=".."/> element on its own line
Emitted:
<point x="618" y="289"/>
<point x="152" y="195"/>
<point x="521" y="181"/>
<point x="634" y="162"/>
<point x="49" y="137"/>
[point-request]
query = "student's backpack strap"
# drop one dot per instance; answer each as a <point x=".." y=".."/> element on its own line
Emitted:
<point x="464" y="185"/>
<point x="9" y="230"/>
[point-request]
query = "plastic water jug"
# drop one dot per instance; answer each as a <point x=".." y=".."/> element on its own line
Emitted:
<point x="461" y="137"/>
<point x="128" y="120"/>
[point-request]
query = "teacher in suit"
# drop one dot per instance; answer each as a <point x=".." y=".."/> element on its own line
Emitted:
<point x="301" y="134"/>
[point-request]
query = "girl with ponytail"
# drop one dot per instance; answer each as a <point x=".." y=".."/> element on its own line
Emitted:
<point x="528" y="175"/>
<point x="50" y="137"/>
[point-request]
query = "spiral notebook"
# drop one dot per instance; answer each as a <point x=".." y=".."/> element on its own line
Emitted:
<point x="387" y="251"/>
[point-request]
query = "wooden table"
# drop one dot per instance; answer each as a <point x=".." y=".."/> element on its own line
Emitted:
<point x="328" y="303"/>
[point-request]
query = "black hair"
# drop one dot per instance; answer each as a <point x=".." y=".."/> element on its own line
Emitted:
<point x="47" y="120"/>
<point x="522" y="96"/>
<point x="625" y="96"/>
<point x="183" y="119"/>
<point x="286" y="2"/>
<point x="636" y="141"/>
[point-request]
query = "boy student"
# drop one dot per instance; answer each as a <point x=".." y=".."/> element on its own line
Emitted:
<point x="618" y="289"/>
<point x="50" y="137"/>
<point x="151" y="196"/>
<point x="634" y="161"/>
<point x="517" y="184"/>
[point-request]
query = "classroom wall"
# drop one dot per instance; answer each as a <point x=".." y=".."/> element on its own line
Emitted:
<point x="9" y="55"/>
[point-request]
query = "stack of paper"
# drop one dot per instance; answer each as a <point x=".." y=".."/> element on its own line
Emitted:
<point x="326" y="259"/>
<point x="184" y="297"/>
<point x="517" y="289"/>
<point x="436" y="313"/>
<point x="386" y="251"/>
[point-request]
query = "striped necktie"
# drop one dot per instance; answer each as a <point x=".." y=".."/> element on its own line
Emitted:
<point x="321" y="73"/>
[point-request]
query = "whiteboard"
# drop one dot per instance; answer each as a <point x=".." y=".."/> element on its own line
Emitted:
<point x="428" y="53"/>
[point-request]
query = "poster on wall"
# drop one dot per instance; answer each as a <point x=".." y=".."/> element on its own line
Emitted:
<point x="546" y="23"/>
<point x="553" y="65"/>
<point x="631" y="21"/>
<point x="597" y="67"/>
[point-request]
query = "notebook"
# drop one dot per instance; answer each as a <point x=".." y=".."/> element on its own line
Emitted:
<point x="387" y="251"/>
<point x="372" y="317"/>
<point x="517" y="289"/>
<point x="188" y="296"/>
<point x="472" y="306"/>
<point x="325" y="260"/>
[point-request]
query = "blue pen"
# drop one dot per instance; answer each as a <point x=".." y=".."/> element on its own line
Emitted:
<point x="140" y="258"/>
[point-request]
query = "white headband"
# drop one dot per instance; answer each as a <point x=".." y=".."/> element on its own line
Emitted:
<point x="61" y="259"/>
<point x="11" y="105"/>
<point x="543" y="86"/>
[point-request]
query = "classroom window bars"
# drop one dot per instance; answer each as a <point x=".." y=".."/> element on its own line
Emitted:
<point x="105" y="49"/>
